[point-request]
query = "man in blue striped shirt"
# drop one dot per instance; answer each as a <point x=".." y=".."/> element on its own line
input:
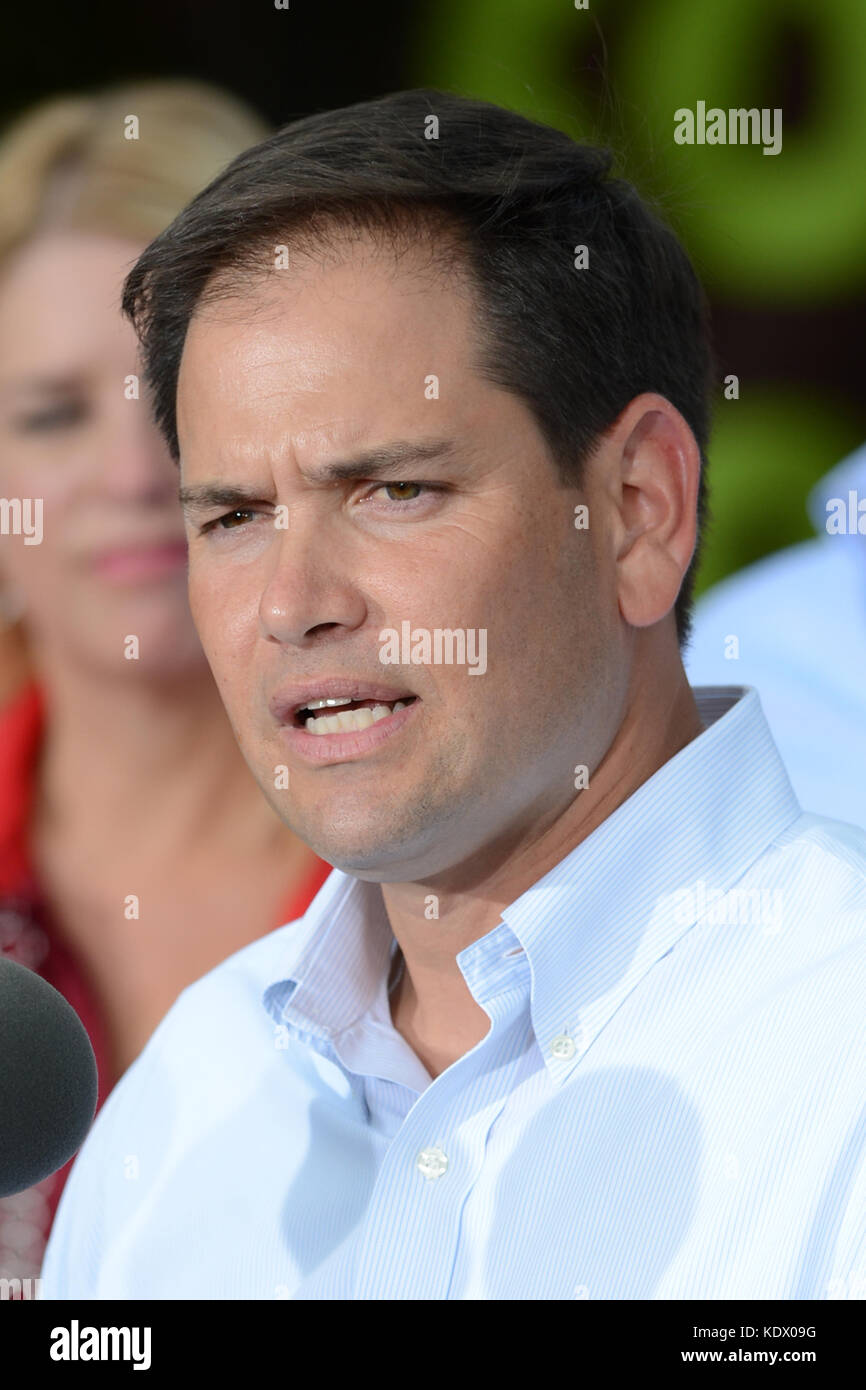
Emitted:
<point x="579" y="1013"/>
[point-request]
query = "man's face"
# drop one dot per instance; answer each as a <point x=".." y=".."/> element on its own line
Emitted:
<point x="314" y="367"/>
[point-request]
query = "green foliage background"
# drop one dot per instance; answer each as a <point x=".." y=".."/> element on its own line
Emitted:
<point x="779" y="240"/>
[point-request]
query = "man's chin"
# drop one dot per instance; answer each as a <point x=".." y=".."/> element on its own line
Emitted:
<point x="397" y="856"/>
<point x="380" y="863"/>
<point x="378" y="837"/>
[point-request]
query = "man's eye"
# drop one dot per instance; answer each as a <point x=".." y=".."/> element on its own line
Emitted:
<point x="398" y="488"/>
<point x="57" y="417"/>
<point x="229" y="521"/>
<point x="405" y="492"/>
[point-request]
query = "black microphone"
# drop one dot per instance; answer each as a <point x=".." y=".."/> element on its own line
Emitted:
<point x="48" y="1080"/>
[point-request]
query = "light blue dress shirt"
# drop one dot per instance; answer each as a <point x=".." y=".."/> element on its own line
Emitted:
<point x="669" y="1103"/>
<point x="800" y="619"/>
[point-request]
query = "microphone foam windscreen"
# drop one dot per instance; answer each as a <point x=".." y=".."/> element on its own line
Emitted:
<point x="48" y="1079"/>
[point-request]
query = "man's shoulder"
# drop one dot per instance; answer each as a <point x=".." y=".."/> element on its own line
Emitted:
<point x="211" y="1049"/>
<point x="817" y="870"/>
<point x="837" y="845"/>
<point x="212" y="1054"/>
<point x="830" y="851"/>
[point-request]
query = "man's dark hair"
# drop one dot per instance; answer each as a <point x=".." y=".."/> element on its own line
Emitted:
<point x="513" y="199"/>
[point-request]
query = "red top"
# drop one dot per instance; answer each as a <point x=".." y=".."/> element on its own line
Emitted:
<point x="26" y="936"/>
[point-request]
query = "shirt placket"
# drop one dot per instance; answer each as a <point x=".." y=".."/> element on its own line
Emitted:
<point x="410" y="1237"/>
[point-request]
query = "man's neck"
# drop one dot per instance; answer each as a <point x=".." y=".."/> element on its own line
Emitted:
<point x="432" y="1006"/>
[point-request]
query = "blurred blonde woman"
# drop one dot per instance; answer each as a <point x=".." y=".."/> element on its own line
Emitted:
<point x="136" y="851"/>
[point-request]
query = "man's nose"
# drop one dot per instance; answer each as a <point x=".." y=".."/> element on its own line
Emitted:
<point x="311" y="593"/>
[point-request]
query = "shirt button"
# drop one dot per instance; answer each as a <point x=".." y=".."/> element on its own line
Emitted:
<point x="562" y="1047"/>
<point x="431" y="1163"/>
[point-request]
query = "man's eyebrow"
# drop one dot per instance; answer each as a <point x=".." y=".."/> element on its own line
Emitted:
<point x="205" y="496"/>
<point x="386" y="458"/>
<point x="380" y="461"/>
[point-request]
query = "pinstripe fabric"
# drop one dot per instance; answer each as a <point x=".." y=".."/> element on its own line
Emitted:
<point x="670" y="1102"/>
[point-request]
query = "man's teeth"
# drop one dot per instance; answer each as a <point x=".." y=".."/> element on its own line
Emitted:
<point x="348" y="721"/>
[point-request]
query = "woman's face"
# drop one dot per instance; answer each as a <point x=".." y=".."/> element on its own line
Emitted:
<point x="111" y="562"/>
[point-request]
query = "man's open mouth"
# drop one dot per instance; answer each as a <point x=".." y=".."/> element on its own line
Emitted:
<point x="344" y="716"/>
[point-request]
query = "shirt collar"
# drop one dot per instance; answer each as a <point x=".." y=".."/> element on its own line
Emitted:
<point x="598" y="921"/>
<point x="337" y="961"/>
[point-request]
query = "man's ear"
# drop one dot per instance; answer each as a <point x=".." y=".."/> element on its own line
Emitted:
<point x="651" y="472"/>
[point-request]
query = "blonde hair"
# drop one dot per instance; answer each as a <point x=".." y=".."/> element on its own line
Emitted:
<point x="69" y="162"/>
